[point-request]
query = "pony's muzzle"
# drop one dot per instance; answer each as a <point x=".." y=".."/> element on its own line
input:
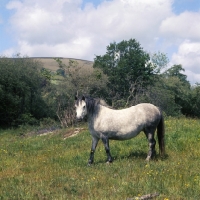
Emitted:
<point x="79" y="119"/>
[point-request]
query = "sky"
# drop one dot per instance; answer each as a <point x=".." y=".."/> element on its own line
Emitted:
<point x="83" y="29"/>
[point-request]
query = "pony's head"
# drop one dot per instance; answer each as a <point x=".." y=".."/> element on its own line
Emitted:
<point x="81" y="108"/>
<point x="86" y="106"/>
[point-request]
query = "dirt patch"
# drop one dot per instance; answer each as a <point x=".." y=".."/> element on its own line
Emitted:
<point x="72" y="133"/>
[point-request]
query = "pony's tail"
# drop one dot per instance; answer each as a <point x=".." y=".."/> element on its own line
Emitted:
<point x="161" y="136"/>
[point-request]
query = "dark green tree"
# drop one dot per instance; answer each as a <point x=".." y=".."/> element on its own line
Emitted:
<point x="176" y="71"/>
<point x="177" y="82"/>
<point x="21" y="86"/>
<point x="195" y="101"/>
<point x="128" y="69"/>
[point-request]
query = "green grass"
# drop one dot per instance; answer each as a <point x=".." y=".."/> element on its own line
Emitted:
<point x="49" y="167"/>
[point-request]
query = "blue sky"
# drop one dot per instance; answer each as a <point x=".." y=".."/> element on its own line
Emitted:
<point x="83" y="28"/>
<point x="180" y="6"/>
<point x="4" y="35"/>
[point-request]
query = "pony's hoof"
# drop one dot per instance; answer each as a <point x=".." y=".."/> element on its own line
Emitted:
<point x="148" y="158"/>
<point x="90" y="163"/>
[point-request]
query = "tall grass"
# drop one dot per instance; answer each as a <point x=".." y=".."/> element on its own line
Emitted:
<point x="49" y="167"/>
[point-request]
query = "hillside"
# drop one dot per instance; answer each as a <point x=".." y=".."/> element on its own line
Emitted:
<point x="51" y="64"/>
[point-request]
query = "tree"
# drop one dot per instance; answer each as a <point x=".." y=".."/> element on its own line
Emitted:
<point x="175" y="71"/>
<point x="178" y="83"/>
<point x="159" y="61"/>
<point x="195" y="101"/>
<point x="128" y="69"/>
<point x="21" y="91"/>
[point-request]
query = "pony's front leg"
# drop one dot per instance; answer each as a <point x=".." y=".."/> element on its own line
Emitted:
<point x="94" y="145"/>
<point x="105" y="141"/>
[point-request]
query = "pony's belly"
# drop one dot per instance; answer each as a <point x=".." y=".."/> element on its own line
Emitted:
<point x="122" y="136"/>
<point x="116" y="135"/>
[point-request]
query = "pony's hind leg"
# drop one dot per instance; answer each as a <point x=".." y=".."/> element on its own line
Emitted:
<point x="105" y="141"/>
<point x="152" y="143"/>
<point x="94" y="145"/>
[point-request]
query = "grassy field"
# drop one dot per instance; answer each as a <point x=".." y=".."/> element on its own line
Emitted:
<point x="49" y="167"/>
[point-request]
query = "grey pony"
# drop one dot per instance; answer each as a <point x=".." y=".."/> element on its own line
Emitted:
<point x="106" y="123"/>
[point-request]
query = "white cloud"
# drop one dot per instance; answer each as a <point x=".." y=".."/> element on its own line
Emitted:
<point x="14" y="5"/>
<point x="53" y="24"/>
<point x="193" y="77"/>
<point x="183" y="26"/>
<point x="189" y="56"/>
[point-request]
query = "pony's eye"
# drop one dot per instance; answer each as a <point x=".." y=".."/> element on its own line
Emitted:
<point x="83" y="107"/>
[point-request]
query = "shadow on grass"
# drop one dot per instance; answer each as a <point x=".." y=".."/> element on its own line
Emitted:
<point x="142" y="155"/>
<point x="137" y="155"/>
<point x="133" y="155"/>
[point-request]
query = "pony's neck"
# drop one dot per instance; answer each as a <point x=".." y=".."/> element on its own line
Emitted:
<point x="92" y="115"/>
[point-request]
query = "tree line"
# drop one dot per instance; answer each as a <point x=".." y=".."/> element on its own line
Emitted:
<point x="126" y="75"/>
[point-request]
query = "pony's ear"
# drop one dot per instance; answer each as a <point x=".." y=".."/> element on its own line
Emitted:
<point x="83" y="98"/>
<point x="76" y="98"/>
